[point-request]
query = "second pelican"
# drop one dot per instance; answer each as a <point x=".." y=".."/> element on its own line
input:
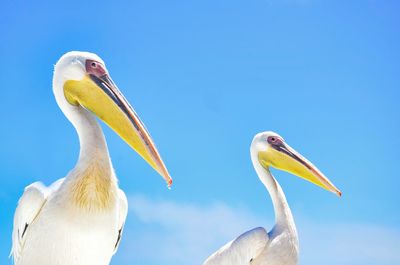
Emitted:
<point x="79" y="220"/>
<point x="280" y="246"/>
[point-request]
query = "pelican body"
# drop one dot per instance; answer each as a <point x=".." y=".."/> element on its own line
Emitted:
<point x="280" y="246"/>
<point x="78" y="220"/>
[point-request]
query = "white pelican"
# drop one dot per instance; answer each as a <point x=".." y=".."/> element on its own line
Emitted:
<point x="78" y="220"/>
<point x="279" y="246"/>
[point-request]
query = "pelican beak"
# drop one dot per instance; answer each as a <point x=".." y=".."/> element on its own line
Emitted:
<point x="282" y="156"/>
<point x="100" y="95"/>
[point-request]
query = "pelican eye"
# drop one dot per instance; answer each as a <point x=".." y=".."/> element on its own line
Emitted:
<point x="95" y="68"/>
<point x="274" y="140"/>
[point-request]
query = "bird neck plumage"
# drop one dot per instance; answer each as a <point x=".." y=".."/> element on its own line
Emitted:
<point x="283" y="214"/>
<point x="91" y="138"/>
<point x="91" y="183"/>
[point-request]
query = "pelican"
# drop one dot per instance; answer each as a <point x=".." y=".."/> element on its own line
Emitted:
<point x="78" y="220"/>
<point x="279" y="246"/>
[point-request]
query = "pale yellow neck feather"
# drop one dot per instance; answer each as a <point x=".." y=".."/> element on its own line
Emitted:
<point x="94" y="188"/>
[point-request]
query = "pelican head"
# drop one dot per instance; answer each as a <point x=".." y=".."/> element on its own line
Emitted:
<point x="82" y="83"/>
<point x="272" y="150"/>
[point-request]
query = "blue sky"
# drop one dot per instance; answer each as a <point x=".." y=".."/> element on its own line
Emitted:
<point x="205" y="77"/>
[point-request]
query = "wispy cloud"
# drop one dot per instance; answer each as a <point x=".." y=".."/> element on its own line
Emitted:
<point x="168" y="232"/>
<point x="349" y="243"/>
<point x="182" y="233"/>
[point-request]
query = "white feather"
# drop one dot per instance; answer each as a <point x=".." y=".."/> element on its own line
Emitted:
<point x="50" y="228"/>
<point x="241" y="250"/>
<point x="257" y="247"/>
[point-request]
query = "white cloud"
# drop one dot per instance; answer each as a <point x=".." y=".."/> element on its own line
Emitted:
<point x="183" y="233"/>
<point x="349" y="244"/>
<point x="167" y="232"/>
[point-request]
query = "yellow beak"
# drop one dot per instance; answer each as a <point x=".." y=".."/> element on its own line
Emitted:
<point x="101" y="96"/>
<point x="283" y="157"/>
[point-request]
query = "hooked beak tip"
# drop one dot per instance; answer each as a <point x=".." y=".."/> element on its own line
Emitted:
<point x="169" y="183"/>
